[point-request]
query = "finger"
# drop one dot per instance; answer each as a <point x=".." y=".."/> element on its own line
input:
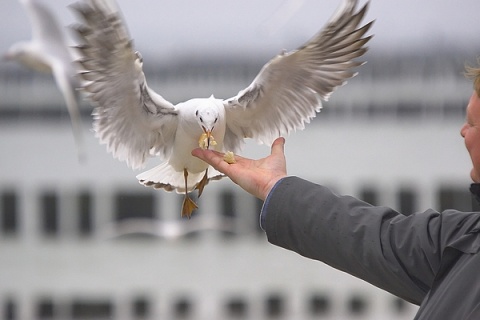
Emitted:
<point x="213" y="158"/>
<point x="205" y="154"/>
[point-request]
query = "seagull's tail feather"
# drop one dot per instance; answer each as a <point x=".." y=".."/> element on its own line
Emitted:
<point x="164" y="176"/>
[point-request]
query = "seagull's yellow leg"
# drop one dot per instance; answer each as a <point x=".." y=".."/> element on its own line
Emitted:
<point x="188" y="204"/>
<point x="202" y="183"/>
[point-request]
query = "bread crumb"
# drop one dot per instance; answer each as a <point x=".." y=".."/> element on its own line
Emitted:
<point x="229" y="157"/>
<point x="204" y="143"/>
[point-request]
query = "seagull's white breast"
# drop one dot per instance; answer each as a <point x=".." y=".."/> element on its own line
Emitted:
<point x="189" y="132"/>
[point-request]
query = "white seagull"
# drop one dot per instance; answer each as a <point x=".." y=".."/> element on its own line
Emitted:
<point x="136" y="123"/>
<point x="49" y="52"/>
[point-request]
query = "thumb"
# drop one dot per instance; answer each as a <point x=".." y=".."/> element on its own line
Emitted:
<point x="278" y="146"/>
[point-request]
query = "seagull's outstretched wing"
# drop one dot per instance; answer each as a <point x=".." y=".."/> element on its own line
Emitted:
<point x="131" y="119"/>
<point x="288" y="91"/>
<point x="48" y="51"/>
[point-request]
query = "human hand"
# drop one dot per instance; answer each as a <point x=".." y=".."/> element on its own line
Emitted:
<point x="257" y="177"/>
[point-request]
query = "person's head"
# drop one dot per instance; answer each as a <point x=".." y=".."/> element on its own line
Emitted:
<point x="471" y="129"/>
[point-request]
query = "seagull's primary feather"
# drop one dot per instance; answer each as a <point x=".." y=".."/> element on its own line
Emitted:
<point x="136" y="123"/>
<point x="48" y="52"/>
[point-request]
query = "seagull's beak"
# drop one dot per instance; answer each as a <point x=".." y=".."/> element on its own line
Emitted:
<point x="209" y="135"/>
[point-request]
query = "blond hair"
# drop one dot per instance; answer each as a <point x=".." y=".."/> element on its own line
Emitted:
<point x="473" y="73"/>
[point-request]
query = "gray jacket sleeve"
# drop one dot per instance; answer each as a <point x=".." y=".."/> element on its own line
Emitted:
<point x="398" y="253"/>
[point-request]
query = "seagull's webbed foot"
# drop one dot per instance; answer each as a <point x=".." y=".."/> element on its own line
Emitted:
<point x="201" y="185"/>
<point x="188" y="206"/>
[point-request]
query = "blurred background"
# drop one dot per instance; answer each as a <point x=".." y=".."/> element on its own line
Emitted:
<point x="87" y="241"/>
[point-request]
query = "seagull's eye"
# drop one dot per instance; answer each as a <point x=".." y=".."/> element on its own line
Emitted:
<point x="196" y="113"/>
<point x="216" y="120"/>
<point x="201" y="119"/>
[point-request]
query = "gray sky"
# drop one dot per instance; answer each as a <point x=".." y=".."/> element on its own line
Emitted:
<point x="168" y="28"/>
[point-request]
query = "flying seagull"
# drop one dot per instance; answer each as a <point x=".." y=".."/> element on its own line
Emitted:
<point x="48" y="52"/>
<point x="135" y="122"/>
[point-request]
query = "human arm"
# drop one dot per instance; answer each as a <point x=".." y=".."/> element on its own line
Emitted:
<point x="350" y="235"/>
<point x="398" y="253"/>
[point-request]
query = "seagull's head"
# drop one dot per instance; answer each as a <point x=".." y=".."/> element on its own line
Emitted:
<point x="15" y="52"/>
<point x="207" y="118"/>
<point x="25" y="53"/>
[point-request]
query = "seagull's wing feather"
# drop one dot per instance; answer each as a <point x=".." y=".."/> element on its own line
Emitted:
<point x="130" y="118"/>
<point x="288" y="91"/>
